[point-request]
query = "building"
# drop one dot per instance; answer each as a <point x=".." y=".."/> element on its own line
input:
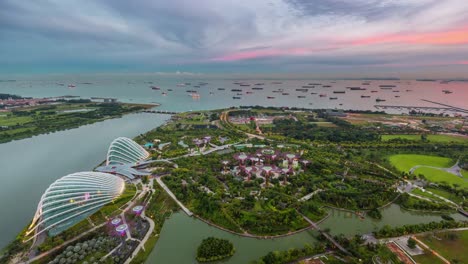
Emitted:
<point x="124" y="150"/>
<point x="123" y="156"/>
<point x="71" y="199"/>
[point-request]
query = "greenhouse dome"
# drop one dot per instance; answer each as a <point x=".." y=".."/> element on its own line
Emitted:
<point x="72" y="198"/>
<point x="124" y="150"/>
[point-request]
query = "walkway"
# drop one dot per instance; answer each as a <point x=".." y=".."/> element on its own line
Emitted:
<point x="168" y="191"/>
<point x="432" y="251"/>
<point x="455" y="169"/>
<point x="308" y="196"/>
<point x="325" y="234"/>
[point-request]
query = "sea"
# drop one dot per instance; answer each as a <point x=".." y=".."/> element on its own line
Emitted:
<point x="176" y="92"/>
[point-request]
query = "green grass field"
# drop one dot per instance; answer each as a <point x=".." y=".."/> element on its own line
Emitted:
<point x="447" y="195"/>
<point x="427" y="258"/>
<point x="436" y="175"/>
<point x="432" y="138"/>
<point x="464" y="173"/>
<point x="404" y="162"/>
<point x="451" y="249"/>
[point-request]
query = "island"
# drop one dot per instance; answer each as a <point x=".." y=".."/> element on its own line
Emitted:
<point x="262" y="173"/>
<point x="213" y="249"/>
<point x="24" y="117"/>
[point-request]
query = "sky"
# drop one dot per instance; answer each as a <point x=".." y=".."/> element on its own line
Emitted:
<point x="347" y="38"/>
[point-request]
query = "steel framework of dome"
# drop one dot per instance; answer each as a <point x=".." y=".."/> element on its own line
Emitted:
<point x="124" y="150"/>
<point x="72" y="198"/>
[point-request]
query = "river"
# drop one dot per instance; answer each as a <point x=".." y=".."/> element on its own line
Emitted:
<point x="181" y="233"/>
<point x="30" y="165"/>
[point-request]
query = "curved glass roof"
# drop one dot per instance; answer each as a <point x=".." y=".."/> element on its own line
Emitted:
<point x="72" y="198"/>
<point x="124" y="150"/>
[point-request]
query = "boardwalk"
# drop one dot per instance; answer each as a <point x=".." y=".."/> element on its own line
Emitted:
<point x="325" y="234"/>
<point x="168" y="191"/>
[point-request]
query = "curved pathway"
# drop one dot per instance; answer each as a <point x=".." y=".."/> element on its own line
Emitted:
<point x="455" y="169"/>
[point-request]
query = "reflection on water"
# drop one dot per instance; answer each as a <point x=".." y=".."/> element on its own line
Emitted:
<point x="181" y="233"/>
<point x="29" y="166"/>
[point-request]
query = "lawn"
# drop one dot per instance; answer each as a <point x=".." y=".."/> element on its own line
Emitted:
<point x="436" y="175"/>
<point x="427" y="258"/>
<point x="450" y="248"/>
<point x="464" y="173"/>
<point x="404" y="162"/>
<point x="432" y="138"/>
<point x="447" y="195"/>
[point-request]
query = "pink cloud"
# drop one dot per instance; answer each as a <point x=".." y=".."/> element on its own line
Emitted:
<point x="245" y="55"/>
<point x="450" y="37"/>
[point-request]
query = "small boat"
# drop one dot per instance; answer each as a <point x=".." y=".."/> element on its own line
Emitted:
<point x="380" y="100"/>
<point x="71" y="86"/>
<point x="307" y="86"/>
<point x="195" y="95"/>
<point x="211" y="93"/>
<point x="221" y="89"/>
<point x="301" y="96"/>
<point x="326" y="86"/>
<point x="270" y="97"/>
<point x="339" y="92"/>
<point x="409" y="90"/>
<point x="236" y="97"/>
<point x="260" y="84"/>
<point x="365" y="83"/>
<point x="387" y="86"/>
<point x="397" y="96"/>
<point x="313" y="93"/>
<point x="285" y="93"/>
<point x="164" y="93"/>
<point x="322" y="95"/>
<point x="356" y="88"/>
<point x="155" y="88"/>
<point x="373" y="91"/>
<point x="396" y="91"/>
<point x="333" y="98"/>
<point x="313" y="84"/>
<point x="180" y="84"/>
<point x="196" y="86"/>
<point x="447" y="91"/>
<point x="236" y="90"/>
<point x="239" y="93"/>
<point x="341" y="104"/>
<point x="170" y="90"/>
<point x="365" y="96"/>
<point x="276" y="82"/>
<point x="249" y="92"/>
<point x="257" y="88"/>
<point x="191" y="91"/>
<point x="244" y="84"/>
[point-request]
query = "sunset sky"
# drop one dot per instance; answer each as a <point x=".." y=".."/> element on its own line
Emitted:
<point x="333" y="37"/>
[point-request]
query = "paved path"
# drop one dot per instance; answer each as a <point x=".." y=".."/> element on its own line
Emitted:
<point x="325" y="234"/>
<point x="168" y="191"/>
<point x="432" y="251"/>
<point x="308" y="196"/>
<point x="455" y="169"/>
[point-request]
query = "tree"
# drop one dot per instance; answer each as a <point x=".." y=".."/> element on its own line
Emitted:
<point x="411" y="243"/>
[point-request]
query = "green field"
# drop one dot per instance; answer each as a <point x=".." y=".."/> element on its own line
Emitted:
<point x="427" y="258"/>
<point x="450" y="248"/>
<point x="436" y="175"/>
<point x="447" y="195"/>
<point x="432" y="138"/>
<point x="404" y="162"/>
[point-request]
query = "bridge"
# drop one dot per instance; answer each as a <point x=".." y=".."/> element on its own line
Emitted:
<point x="160" y="112"/>
<point x="168" y="191"/>
<point x="325" y="234"/>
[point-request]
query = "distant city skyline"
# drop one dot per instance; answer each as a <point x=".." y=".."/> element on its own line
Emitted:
<point x="306" y="38"/>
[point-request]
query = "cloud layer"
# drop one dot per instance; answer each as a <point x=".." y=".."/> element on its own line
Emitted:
<point x="233" y="36"/>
